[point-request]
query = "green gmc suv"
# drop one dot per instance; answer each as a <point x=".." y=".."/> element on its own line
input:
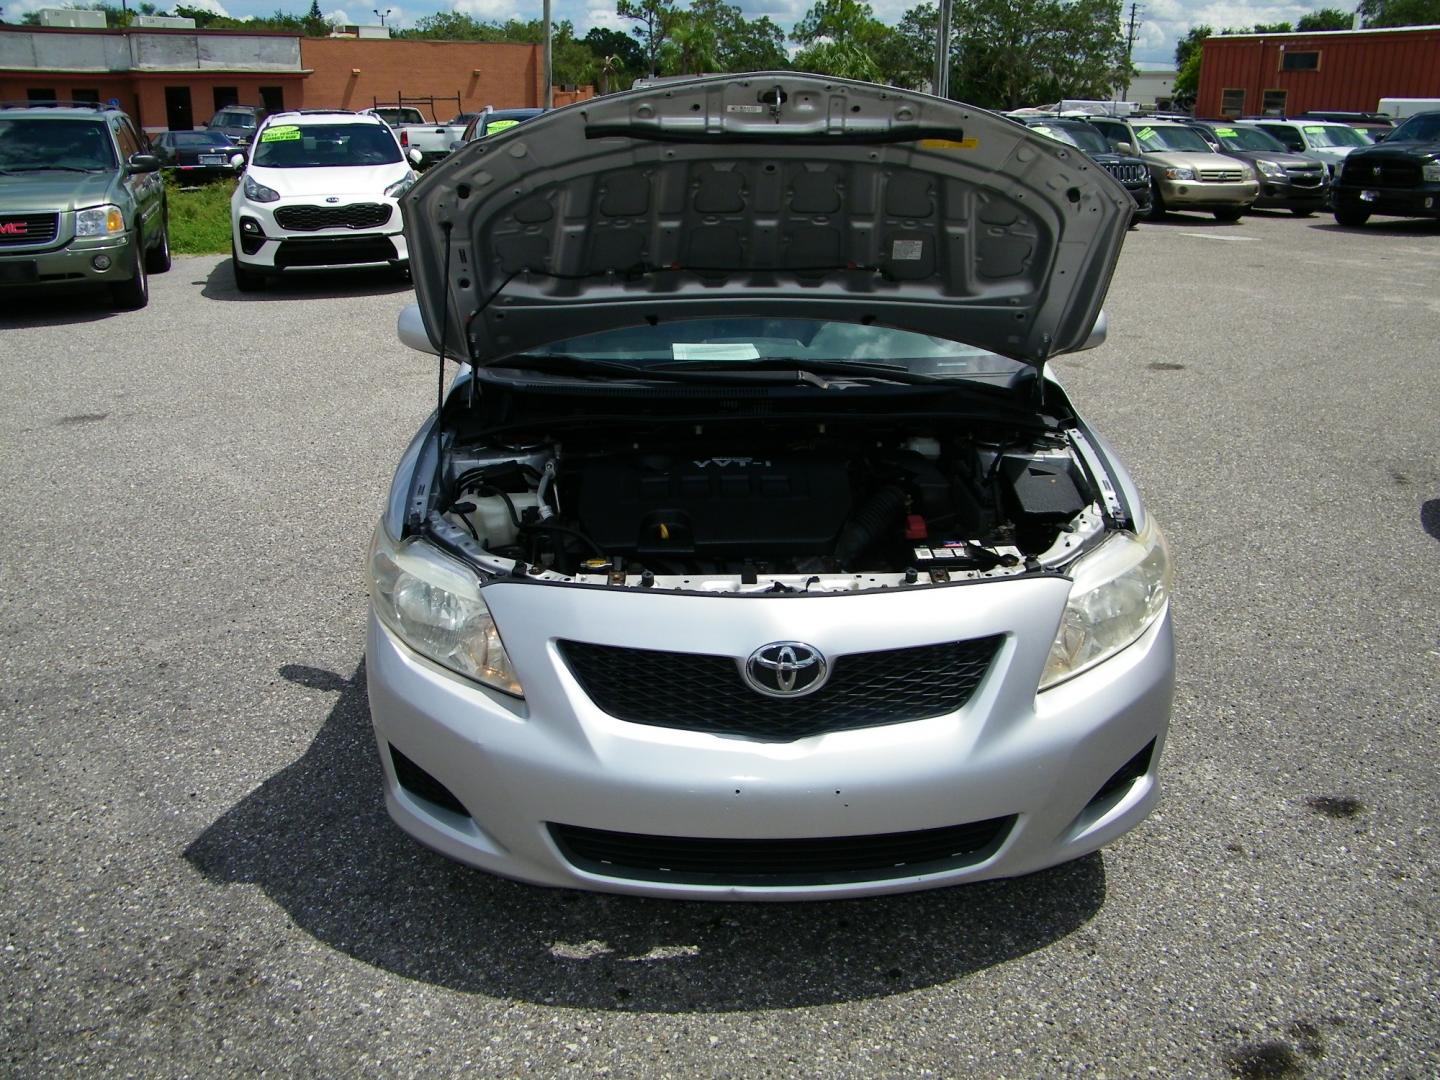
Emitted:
<point x="81" y="202"/>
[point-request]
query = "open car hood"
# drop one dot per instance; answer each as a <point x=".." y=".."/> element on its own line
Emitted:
<point x="777" y="194"/>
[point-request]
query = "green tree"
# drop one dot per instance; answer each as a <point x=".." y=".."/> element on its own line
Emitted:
<point x="654" y="19"/>
<point x="842" y="38"/>
<point x="1381" y="13"/>
<point x="691" y="46"/>
<point x="742" y="44"/>
<point x="605" y="42"/>
<point x="1324" y="19"/>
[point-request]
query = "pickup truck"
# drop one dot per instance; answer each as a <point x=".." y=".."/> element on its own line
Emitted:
<point x="414" y="131"/>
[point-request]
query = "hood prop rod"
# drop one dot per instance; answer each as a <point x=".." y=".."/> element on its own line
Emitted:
<point x="444" y="322"/>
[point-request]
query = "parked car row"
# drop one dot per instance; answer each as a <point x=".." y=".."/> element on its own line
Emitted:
<point x="1225" y="168"/>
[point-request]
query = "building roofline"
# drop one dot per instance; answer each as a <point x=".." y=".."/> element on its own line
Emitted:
<point x="1326" y="33"/>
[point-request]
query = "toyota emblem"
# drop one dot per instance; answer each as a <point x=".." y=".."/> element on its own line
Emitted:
<point x="786" y="669"/>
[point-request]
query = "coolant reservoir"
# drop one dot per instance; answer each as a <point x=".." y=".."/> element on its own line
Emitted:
<point x="492" y="520"/>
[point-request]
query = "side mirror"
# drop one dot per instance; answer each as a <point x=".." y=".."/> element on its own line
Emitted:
<point x="1124" y="148"/>
<point x="415" y="156"/>
<point x="456" y="145"/>
<point x="1379" y="136"/>
<point x="1097" y="333"/>
<point x="237" y="161"/>
<point x="410" y="329"/>
<point x="142" y="163"/>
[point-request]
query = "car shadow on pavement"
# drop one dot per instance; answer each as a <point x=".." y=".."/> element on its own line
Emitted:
<point x="306" y="285"/>
<point x="316" y="839"/>
<point x="1393" y="226"/>
<point x="61" y="306"/>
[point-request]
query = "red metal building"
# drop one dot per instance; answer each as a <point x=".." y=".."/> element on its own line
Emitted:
<point x="1288" y="74"/>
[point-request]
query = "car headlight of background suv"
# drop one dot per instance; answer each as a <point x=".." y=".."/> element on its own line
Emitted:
<point x="404" y="184"/>
<point x="433" y="604"/>
<point x="99" y="221"/>
<point x="1271" y="169"/>
<point x="1181" y="173"/>
<point x="258" y="192"/>
<point x="1117" y="592"/>
<point x="1430" y="173"/>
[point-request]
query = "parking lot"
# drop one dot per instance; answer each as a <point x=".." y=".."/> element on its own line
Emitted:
<point x="201" y="877"/>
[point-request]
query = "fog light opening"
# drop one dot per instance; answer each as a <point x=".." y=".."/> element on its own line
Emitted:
<point x="101" y="263"/>
<point x="422" y="785"/>
<point x="1124" y="777"/>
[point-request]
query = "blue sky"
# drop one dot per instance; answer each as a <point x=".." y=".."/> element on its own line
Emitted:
<point x="1162" y="21"/>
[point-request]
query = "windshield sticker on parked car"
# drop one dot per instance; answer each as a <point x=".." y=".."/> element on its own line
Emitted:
<point x="1145" y="133"/>
<point x="500" y="125"/>
<point x="280" y="133"/>
<point x="1314" y="129"/>
<point x="1225" y="133"/>
<point x="714" y="350"/>
<point x="949" y="144"/>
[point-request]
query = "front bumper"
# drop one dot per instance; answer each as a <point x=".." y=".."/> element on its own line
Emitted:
<point x="72" y="264"/>
<point x="1285" y="195"/>
<point x="1399" y="202"/>
<point x="517" y="767"/>
<point x="1203" y="195"/>
<point x="272" y="248"/>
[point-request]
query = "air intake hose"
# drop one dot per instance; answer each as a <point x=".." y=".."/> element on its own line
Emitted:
<point x="869" y="523"/>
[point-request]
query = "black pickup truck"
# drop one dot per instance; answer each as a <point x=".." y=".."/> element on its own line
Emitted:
<point x="1400" y="176"/>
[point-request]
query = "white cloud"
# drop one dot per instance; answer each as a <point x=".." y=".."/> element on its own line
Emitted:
<point x="496" y="10"/>
<point x="339" y="17"/>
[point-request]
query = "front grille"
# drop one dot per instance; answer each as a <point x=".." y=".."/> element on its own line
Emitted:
<point x="314" y="218"/>
<point x="1128" y="173"/>
<point x="695" y="692"/>
<point x="18" y="229"/>
<point x="1220" y="176"/>
<point x="1305" y="177"/>
<point x="823" y="860"/>
<point x="340" y="251"/>
<point x="1386" y="173"/>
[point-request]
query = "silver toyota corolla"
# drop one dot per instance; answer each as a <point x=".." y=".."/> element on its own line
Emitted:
<point x="754" y="553"/>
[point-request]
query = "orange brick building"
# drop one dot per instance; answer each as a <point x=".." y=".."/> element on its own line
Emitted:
<point x="177" y="79"/>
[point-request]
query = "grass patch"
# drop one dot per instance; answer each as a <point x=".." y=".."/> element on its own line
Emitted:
<point x="200" y="218"/>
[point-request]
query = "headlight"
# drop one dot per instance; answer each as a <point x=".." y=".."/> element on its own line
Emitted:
<point x="1118" y="591"/>
<point x="258" y="192"/>
<point x="433" y="604"/>
<point x="1179" y="174"/>
<point x="402" y="185"/>
<point x="1271" y="169"/>
<point x="1430" y="173"/>
<point x="99" y="221"/>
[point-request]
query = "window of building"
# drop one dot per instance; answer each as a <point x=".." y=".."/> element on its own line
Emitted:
<point x="272" y="98"/>
<point x="85" y="95"/>
<point x="1273" y="103"/>
<point x="178" y="114"/>
<point x="40" y="93"/>
<point x="225" y="96"/>
<point x="1300" y="61"/>
<point x="1232" y="102"/>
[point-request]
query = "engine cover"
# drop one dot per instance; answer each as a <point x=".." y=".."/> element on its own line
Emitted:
<point x="718" y="507"/>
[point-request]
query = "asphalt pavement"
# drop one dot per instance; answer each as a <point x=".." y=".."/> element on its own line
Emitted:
<point x="200" y="878"/>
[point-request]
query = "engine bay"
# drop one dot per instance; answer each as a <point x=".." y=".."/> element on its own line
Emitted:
<point x="795" y="507"/>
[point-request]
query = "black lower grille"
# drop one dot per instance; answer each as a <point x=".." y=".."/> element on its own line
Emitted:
<point x="338" y="252"/>
<point x="313" y="218"/>
<point x="1128" y="174"/>
<point x="695" y="692"/>
<point x="16" y="229"/>
<point x="823" y="860"/>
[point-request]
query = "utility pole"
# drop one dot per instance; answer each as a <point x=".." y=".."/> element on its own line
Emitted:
<point x="942" y="52"/>
<point x="1135" y="12"/>
<point x="549" y="63"/>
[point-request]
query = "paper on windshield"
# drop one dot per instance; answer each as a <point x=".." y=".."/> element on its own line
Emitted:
<point x="715" y="350"/>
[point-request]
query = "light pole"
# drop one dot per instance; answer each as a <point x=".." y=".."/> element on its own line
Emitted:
<point x="549" y="61"/>
<point x="942" y="53"/>
<point x="383" y="16"/>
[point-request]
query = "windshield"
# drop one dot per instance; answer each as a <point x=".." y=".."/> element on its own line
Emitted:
<point x="308" y="146"/>
<point x="44" y="143"/>
<point x="1079" y="135"/>
<point x="1171" y="137"/>
<point x="234" y="120"/>
<point x="1247" y="138"/>
<point x="1423" y="128"/>
<point x="193" y="139"/>
<point x="399" y="117"/>
<point x="1333" y="135"/>
<point x="727" y="342"/>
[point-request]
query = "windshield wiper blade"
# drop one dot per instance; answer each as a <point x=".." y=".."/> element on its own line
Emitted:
<point x="563" y="364"/>
<point x="853" y="368"/>
<point x="47" y="168"/>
